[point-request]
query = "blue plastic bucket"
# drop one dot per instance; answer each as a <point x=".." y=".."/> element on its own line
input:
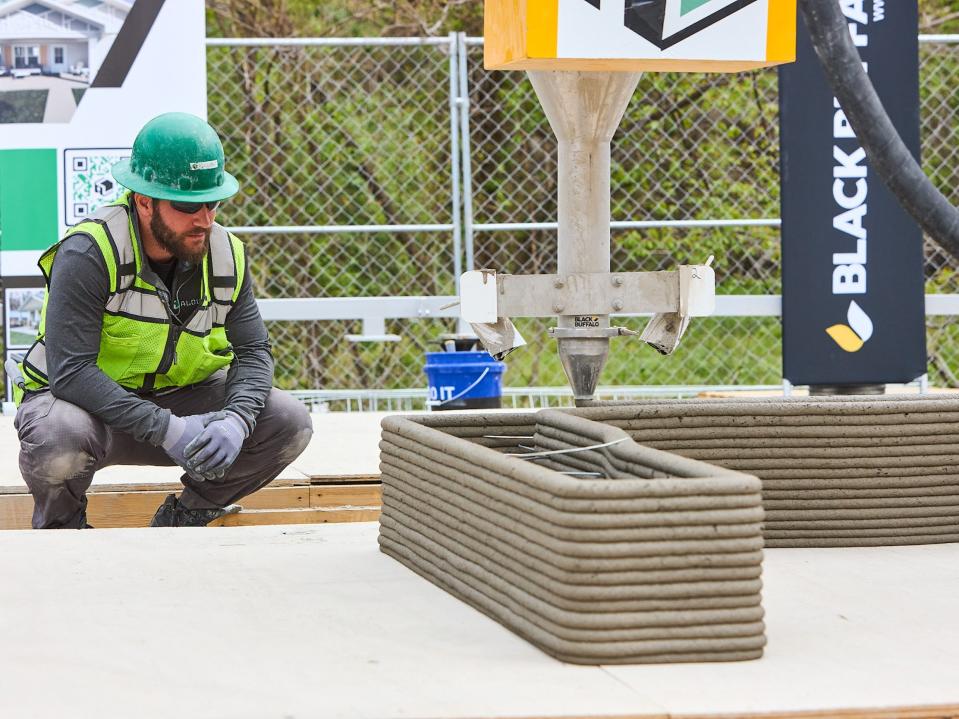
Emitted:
<point x="464" y="380"/>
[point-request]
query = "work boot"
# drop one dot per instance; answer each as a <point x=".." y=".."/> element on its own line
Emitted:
<point x="173" y="514"/>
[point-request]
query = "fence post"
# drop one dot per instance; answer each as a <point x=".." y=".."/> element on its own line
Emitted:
<point x="464" y="107"/>
<point x="456" y="199"/>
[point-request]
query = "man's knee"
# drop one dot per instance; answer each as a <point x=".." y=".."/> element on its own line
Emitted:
<point x="58" y="440"/>
<point x="288" y="419"/>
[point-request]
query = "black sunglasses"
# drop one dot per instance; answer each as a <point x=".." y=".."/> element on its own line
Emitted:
<point x="191" y="208"/>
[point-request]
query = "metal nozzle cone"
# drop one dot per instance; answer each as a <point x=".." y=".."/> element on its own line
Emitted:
<point x="583" y="360"/>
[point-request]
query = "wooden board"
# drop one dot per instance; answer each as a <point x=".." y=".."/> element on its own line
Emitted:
<point x="136" y="507"/>
<point x="349" y="494"/>
<point x="310" y="515"/>
<point x="16" y="511"/>
<point x="931" y="712"/>
<point x="344" y="478"/>
<point x="177" y="486"/>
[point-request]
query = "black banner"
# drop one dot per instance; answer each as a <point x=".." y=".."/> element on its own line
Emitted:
<point x="852" y="269"/>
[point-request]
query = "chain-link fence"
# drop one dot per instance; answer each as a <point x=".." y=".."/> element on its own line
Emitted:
<point x="350" y="157"/>
<point x="350" y="134"/>
<point x="939" y="113"/>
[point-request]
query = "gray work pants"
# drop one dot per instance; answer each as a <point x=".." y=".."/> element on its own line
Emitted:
<point x="62" y="446"/>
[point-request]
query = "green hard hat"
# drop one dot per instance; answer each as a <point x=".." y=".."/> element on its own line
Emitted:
<point x="177" y="156"/>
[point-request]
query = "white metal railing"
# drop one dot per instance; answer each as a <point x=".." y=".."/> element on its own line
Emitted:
<point x="326" y="41"/>
<point x="444" y="306"/>
<point x="407" y="400"/>
<point x="374" y="311"/>
<point x="410" y="400"/>
<point x="335" y="229"/>
<point x="631" y="224"/>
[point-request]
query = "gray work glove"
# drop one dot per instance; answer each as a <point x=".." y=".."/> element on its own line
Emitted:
<point x="179" y="434"/>
<point x="215" y="450"/>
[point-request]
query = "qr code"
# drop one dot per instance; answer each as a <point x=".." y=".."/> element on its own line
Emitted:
<point x="88" y="182"/>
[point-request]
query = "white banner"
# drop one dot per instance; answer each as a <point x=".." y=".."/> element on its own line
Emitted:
<point x="77" y="82"/>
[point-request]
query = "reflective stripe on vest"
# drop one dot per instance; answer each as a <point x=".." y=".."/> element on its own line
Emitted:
<point x="142" y="346"/>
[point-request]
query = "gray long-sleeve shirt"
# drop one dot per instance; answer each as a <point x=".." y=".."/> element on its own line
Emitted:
<point x="79" y="290"/>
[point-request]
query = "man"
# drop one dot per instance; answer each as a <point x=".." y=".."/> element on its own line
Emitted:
<point x="151" y="349"/>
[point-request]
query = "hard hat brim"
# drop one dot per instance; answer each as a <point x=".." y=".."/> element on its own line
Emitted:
<point x="130" y="180"/>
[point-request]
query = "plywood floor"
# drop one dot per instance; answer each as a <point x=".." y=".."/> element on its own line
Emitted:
<point x="301" y="622"/>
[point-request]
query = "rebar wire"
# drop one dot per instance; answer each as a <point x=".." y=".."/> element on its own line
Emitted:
<point x="547" y="453"/>
<point x="440" y="403"/>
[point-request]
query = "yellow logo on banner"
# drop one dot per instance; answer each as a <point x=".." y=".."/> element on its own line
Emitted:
<point x="852" y="337"/>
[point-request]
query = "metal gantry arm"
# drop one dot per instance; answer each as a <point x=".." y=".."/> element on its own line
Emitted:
<point x="488" y="295"/>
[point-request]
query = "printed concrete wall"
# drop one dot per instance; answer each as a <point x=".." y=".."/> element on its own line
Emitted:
<point x="836" y="471"/>
<point x="614" y="553"/>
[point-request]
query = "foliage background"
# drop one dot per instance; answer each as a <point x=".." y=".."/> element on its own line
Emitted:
<point x="362" y="137"/>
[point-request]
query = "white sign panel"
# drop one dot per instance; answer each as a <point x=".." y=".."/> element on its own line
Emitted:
<point x="78" y="79"/>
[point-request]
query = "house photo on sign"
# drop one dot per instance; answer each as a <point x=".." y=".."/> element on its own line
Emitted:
<point x="23" y="316"/>
<point x="50" y="52"/>
<point x="23" y="307"/>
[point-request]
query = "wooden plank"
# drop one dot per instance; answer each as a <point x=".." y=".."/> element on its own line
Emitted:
<point x="177" y="486"/>
<point x="153" y="486"/>
<point x="312" y="515"/>
<point x="950" y="711"/>
<point x="136" y="508"/>
<point x="112" y="506"/>
<point x="16" y="511"/>
<point x="123" y="509"/>
<point x="370" y="495"/>
<point x="344" y="478"/>
<point x="278" y="498"/>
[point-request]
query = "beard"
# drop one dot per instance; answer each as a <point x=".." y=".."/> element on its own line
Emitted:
<point x="176" y="243"/>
